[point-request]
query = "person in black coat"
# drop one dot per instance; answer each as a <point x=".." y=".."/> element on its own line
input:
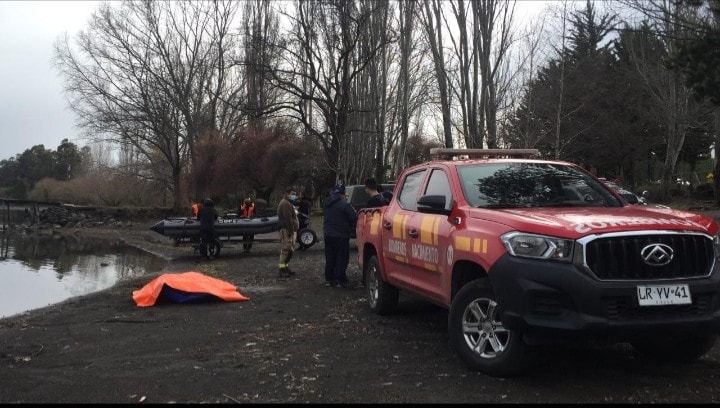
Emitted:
<point x="376" y="198"/>
<point x="338" y="218"/>
<point x="207" y="216"/>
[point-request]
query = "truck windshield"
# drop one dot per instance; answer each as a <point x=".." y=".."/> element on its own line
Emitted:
<point x="518" y="185"/>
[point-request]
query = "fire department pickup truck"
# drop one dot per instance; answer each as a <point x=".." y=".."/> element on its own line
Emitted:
<point x="527" y="252"/>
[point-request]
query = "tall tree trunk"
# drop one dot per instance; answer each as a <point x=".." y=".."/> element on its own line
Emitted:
<point x="433" y="23"/>
<point x="406" y="28"/>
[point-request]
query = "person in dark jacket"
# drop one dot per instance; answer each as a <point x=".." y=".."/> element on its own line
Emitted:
<point x="207" y="216"/>
<point x="304" y="204"/>
<point x="338" y="218"/>
<point x="376" y="199"/>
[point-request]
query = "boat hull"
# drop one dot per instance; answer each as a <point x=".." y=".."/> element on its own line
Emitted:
<point x="224" y="227"/>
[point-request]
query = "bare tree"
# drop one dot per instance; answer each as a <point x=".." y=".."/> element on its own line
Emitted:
<point x="432" y="22"/>
<point x="363" y="146"/>
<point x="561" y="83"/>
<point x="493" y="37"/>
<point x="528" y="57"/>
<point x="407" y="14"/>
<point x="154" y="76"/>
<point x="260" y="27"/>
<point x="320" y="67"/>
<point x="670" y="21"/>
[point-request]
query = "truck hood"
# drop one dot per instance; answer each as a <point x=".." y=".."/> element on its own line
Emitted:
<point x="575" y="223"/>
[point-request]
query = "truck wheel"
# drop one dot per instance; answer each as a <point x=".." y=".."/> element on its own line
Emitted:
<point x="306" y="238"/>
<point x="382" y="297"/>
<point x="479" y="337"/>
<point x="676" y="350"/>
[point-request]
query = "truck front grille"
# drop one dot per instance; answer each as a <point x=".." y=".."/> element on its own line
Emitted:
<point x="619" y="257"/>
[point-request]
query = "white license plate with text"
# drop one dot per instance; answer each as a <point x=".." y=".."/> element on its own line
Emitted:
<point x="663" y="295"/>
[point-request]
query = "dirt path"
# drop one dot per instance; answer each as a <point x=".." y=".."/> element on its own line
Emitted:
<point x="294" y="341"/>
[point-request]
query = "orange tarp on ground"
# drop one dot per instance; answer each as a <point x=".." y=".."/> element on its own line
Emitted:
<point x="191" y="282"/>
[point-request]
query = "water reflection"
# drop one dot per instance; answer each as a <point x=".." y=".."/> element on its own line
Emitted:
<point x="40" y="270"/>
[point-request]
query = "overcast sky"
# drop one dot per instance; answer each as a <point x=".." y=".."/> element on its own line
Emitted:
<point x="32" y="106"/>
<point x="33" y="109"/>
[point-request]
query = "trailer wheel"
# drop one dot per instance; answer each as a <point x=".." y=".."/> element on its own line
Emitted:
<point x="306" y="238"/>
<point x="214" y="248"/>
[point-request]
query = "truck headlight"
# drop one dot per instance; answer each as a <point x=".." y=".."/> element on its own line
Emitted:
<point x="538" y="246"/>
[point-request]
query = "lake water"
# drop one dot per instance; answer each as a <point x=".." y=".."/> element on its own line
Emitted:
<point x="38" y="271"/>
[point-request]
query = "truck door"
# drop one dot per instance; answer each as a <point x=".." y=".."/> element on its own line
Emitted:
<point x="429" y="238"/>
<point x="395" y="229"/>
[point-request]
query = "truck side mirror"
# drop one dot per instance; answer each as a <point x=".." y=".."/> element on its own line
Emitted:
<point x="432" y="204"/>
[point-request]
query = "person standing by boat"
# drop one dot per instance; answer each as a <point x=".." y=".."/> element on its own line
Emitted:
<point x="207" y="216"/>
<point x="247" y="210"/>
<point x="338" y="218"/>
<point x="195" y="208"/>
<point x="288" y="225"/>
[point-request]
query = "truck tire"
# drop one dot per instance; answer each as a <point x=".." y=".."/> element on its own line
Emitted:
<point x="676" y="349"/>
<point x="382" y="297"/>
<point x="478" y="336"/>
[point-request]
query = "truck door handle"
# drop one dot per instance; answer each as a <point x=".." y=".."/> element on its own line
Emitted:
<point x="413" y="233"/>
<point x="387" y="225"/>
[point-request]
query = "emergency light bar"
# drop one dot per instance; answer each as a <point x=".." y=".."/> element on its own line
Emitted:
<point x="441" y="153"/>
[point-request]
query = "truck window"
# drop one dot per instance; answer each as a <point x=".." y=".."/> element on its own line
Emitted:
<point x="516" y="185"/>
<point x="439" y="185"/>
<point x="409" y="190"/>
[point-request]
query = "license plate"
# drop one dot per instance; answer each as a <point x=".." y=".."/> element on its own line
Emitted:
<point x="663" y="295"/>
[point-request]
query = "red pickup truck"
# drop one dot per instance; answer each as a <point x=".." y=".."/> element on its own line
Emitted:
<point x="526" y="252"/>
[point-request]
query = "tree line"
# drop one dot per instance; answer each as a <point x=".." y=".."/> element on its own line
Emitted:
<point x="227" y="99"/>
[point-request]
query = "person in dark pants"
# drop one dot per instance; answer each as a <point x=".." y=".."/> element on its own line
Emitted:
<point x="338" y="218"/>
<point x="303" y="206"/>
<point x="247" y="210"/>
<point x="207" y="216"/>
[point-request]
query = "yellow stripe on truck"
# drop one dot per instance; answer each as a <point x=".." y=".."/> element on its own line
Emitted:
<point x="462" y="243"/>
<point x="398" y="226"/>
<point x="477" y="245"/>
<point x="426" y="230"/>
<point x="375" y="224"/>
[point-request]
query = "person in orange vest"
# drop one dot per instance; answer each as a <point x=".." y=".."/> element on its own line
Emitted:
<point x="195" y="209"/>
<point x="247" y="210"/>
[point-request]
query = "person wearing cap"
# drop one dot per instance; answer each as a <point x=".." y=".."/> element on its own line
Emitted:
<point x="288" y="227"/>
<point x="338" y="218"/>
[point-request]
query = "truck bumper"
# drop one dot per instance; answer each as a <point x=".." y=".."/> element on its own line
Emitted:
<point x="548" y="301"/>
